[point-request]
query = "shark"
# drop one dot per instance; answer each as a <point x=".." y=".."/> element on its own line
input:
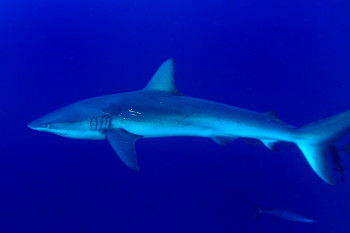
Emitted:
<point x="161" y="110"/>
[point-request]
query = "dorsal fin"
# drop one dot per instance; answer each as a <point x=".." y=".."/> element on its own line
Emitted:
<point x="164" y="79"/>
<point x="273" y="115"/>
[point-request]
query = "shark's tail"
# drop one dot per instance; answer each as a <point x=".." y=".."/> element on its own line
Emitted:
<point x="316" y="139"/>
<point x="259" y="211"/>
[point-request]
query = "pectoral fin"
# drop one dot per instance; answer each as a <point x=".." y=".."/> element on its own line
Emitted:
<point x="123" y="143"/>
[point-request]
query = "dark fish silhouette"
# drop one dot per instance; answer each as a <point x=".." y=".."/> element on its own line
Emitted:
<point x="338" y="167"/>
<point x="284" y="214"/>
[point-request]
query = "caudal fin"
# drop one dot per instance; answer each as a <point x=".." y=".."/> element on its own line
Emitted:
<point x="260" y="211"/>
<point x="316" y="139"/>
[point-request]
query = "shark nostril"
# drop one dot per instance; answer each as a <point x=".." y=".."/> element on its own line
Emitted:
<point x="37" y="126"/>
<point x="45" y="126"/>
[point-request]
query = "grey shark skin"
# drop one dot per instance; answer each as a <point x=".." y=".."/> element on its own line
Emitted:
<point x="160" y="110"/>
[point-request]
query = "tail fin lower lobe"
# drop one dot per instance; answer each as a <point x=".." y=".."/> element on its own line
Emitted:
<point x="316" y="139"/>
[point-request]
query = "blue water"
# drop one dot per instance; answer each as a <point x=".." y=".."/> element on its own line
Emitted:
<point x="289" y="56"/>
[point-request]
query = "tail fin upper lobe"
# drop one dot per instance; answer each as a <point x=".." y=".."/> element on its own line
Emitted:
<point x="316" y="139"/>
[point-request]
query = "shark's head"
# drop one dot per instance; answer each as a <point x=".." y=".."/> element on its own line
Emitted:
<point x="73" y="121"/>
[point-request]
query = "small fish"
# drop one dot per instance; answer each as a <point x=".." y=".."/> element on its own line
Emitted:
<point x="284" y="214"/>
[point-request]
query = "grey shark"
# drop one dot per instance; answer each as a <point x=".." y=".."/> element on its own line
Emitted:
<point x="161" y="110"/>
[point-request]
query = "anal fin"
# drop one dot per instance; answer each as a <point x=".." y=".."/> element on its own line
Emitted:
<point x="271" y="144"/>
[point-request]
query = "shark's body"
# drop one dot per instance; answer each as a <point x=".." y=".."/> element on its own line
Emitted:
<point x="160" y="110"/>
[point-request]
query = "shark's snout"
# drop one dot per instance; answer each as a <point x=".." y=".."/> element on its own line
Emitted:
<point x="38" y="125"/>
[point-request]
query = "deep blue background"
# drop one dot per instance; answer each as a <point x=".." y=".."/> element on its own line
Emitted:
<point x="289" y="56"/>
